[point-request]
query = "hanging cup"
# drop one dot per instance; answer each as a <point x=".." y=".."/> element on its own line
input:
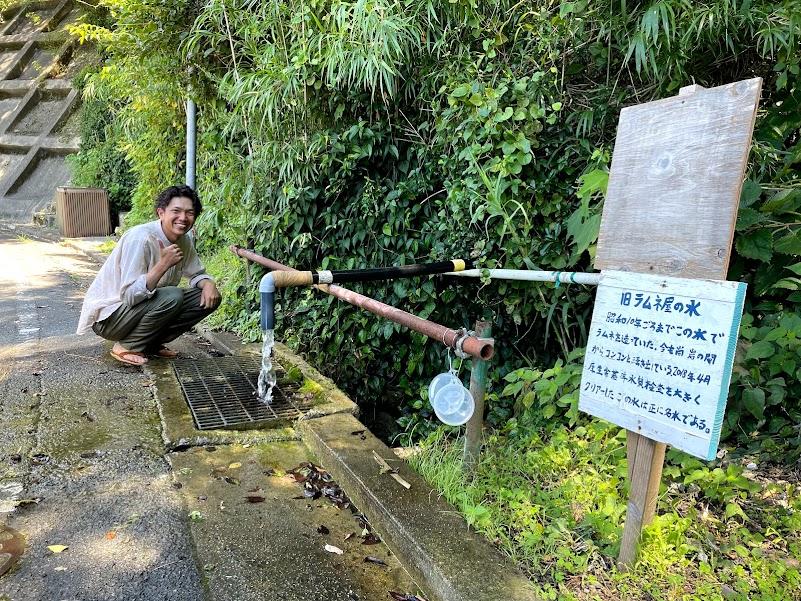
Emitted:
<point x="453" y="404"/>
<point x="440" y="380"/>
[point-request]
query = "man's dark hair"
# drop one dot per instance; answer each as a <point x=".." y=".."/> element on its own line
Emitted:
<point x="166" y="195"/>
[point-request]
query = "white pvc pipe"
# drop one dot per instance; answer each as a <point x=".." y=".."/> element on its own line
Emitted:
<point x="525" y="275"/>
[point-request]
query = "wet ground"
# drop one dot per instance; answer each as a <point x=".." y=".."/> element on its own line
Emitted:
<point x="106" y="512"/>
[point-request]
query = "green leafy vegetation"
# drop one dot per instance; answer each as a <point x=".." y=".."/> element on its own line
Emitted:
<point x="555" y="503"/>
<point x="101" y="162"/>
<point x="338" y="134"/>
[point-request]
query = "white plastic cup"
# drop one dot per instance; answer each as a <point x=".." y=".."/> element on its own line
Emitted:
<point x="441" y="380"/>
<point x="453" y="404"/>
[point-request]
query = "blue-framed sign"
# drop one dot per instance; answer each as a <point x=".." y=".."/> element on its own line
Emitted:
<point x="659" y="357"/>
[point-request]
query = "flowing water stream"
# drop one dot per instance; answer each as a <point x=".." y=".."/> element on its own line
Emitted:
<point x="267" y="377"/>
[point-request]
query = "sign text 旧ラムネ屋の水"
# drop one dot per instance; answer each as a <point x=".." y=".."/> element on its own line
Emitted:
<point x="659" y="357"/>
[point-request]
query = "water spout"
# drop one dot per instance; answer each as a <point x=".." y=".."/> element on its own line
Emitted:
<point x="267" y="377"/>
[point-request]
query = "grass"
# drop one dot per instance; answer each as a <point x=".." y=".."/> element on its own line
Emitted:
<point x="107" y="246"/>
<point x="555" y="504"/>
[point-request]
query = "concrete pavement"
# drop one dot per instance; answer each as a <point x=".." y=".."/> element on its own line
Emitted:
<point x="119" y="497"/>
<point x="80" y="435"/>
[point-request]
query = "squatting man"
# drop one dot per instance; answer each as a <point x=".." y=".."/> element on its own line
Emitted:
<point x="135" y="300"/>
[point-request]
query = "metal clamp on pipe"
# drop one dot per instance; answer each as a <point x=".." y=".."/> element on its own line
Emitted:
<point x="458" y="347"/>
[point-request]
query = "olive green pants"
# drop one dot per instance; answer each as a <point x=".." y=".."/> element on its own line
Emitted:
<point x="167" y="314"/>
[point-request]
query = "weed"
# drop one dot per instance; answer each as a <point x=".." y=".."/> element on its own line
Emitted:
<point x="555" y="501"/>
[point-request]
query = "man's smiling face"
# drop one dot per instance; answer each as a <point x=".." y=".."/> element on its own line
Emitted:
<point x="177" y="218"/>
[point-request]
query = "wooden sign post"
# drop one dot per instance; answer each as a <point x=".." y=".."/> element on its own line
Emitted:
<point x="671" y="206"/>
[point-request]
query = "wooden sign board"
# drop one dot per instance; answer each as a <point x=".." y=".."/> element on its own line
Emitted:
<point x="670" y="209"/>
<point x="660" y="355"/>
<point x="675" y="180"/>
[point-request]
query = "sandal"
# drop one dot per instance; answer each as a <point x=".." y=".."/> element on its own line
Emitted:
<point x="125" y="356"/>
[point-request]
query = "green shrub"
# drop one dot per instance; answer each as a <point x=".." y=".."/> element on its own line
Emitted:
<point x="340" y="134"/>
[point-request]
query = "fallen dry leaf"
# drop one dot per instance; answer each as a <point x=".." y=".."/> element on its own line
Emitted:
<point x="234" y="465"/>
<point x="333" y="549"/>
<point x="402" y="597"/>
<point x="57" y="548"/>
<point x="111" y="535"/>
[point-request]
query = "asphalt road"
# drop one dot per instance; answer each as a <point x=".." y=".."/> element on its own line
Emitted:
<point x="107" y="513"/>
<point x="79" y="435"/>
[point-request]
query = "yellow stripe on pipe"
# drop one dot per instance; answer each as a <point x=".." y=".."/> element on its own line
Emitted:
<point x="458" y="264"/>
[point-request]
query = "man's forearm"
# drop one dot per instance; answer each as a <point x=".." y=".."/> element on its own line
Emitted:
<point x="154" y="275"/>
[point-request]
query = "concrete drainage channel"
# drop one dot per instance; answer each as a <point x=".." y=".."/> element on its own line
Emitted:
<point x="260" y="529"/>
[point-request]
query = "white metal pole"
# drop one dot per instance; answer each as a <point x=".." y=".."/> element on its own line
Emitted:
<point x="191" y="142"/>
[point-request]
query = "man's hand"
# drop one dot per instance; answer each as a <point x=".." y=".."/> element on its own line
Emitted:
<point x="209" y="295"/>
<point x="170" y="255"/>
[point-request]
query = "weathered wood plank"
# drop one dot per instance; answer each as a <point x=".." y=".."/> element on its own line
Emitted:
<point x="655" y="478"/>
<point x="671" y="206"/>
<point x="675" y="181"/>
<point x="641" y="481"/>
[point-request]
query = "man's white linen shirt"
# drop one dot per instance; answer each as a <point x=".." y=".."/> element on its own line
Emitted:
<point x="123" y="277"/>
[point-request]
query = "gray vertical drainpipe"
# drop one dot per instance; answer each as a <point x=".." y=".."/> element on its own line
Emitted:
<point x="191" y="142"/>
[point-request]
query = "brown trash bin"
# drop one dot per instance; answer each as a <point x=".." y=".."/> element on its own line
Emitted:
<point x="83" y="212"/>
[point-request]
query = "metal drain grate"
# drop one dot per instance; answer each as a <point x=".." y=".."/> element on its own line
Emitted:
<point x="221" y="393"/>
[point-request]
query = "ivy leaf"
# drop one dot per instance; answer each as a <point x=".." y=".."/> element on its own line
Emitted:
<point x="792" y="323"/>
<point x="506" y="114"/>
<point x="784" y="201"/>
<point x="787" y="284"/>
<point x="754" y="401"/>
<point x="583" y="231"/>
<point x="594" y="181"/>
<point x="512" y="389"/>
<point x="789" y="244"/>
<point x="748" y="218"/>
<point x="476" y="100"/>
<point x="750" y="193"/>
<point x="760" y="350"/>
<point x="733" y="509"/>
<point x="756" y="245"/>
<point x="460" y="91"/>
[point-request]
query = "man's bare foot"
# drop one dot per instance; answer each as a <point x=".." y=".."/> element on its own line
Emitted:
<point x="123" y="355"/>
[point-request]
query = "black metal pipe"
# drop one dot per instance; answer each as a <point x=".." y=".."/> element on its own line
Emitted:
<point x="344" y="276"/>
<point x="313" y="278"/>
